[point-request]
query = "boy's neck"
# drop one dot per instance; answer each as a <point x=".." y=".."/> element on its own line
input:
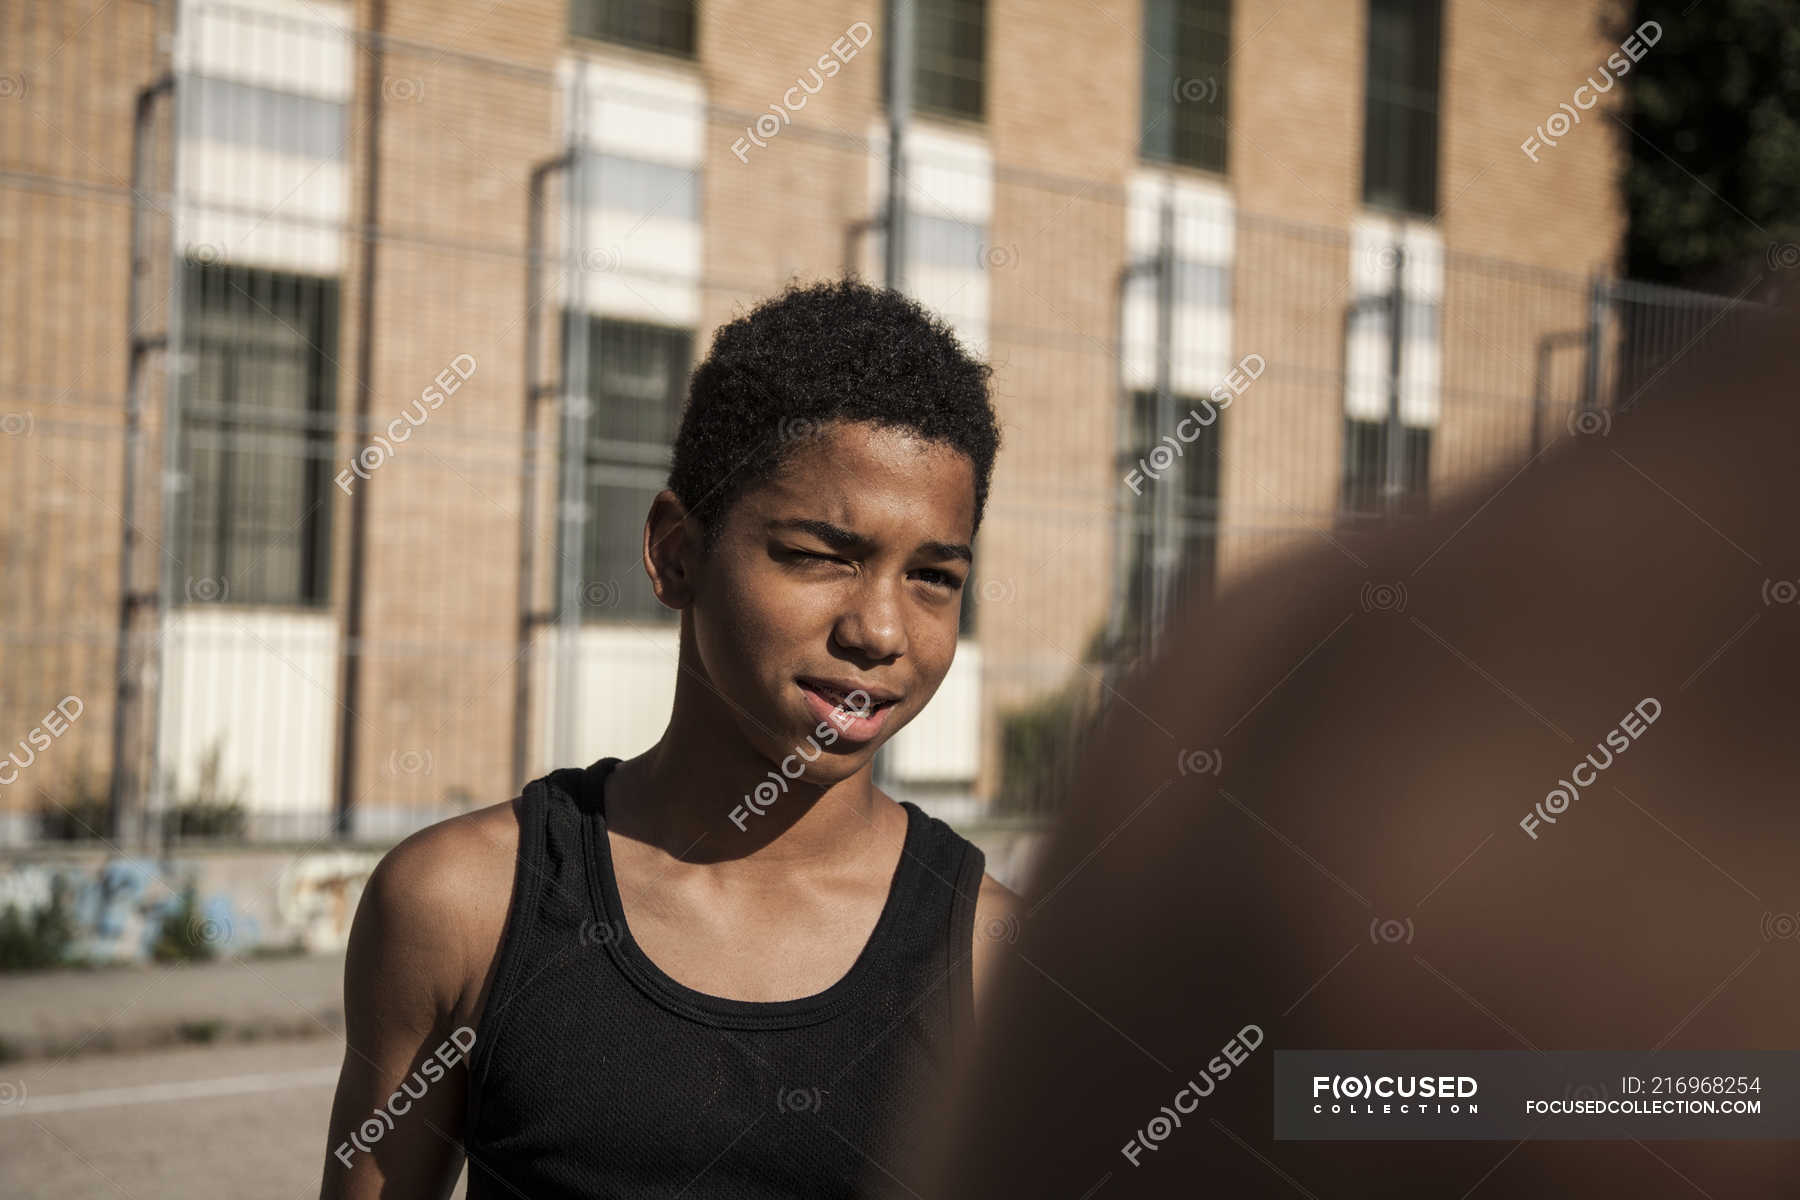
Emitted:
<point x="690" y="796"/>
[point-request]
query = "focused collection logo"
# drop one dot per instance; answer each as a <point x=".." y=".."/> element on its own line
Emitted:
<point x="1398" y="1095"/>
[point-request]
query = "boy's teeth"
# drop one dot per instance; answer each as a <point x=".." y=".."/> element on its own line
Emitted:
<point x="843" y="700"/>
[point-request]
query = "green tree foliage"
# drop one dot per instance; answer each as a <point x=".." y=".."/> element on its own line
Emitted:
<point x="40" y="938"/>
<point x="1712" y="183"/>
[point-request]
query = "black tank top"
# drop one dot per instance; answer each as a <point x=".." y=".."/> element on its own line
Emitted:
<point x="593" y="1074"/>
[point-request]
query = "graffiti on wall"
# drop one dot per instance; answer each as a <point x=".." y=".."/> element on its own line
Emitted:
<point x="317" y="894"/>
<point x="125" y="909"/>
<point x="122" y="908"/>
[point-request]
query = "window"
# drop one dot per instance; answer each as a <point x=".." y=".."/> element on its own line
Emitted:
<point x="1195" y="475"/>
<point x="267" y="119"/>
<point x="1366" y="462"/>
<point x="640" y="187"/>
<point x="1184" y="113"/>
<point x="1202" y="252"/>
<point x="637" y="379"/>
<point x="944" y="241"/>
<point x="949" y="214"/>
<point x="1400" y="124"/>
<point x="665" y="25"/>
<point x="1389" y="252"/>
<point x="259" y="409"/>
<point x="262" y="103"/>
<point x="949" y="50"/>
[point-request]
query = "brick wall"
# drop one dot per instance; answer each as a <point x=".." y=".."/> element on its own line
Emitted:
<point x="470" y="102"/>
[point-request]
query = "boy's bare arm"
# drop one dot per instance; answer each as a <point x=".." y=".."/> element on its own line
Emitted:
<point x="397" y="1117"/>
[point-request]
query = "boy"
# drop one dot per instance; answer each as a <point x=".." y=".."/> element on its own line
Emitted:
<point x="722" y="967"/>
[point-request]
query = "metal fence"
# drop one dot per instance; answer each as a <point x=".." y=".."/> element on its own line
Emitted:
<point x="340" y="370"/>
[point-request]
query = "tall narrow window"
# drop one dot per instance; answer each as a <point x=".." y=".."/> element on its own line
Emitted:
<point x="1365" y="485"/>
<point x="637" y="379"/>
<point x="259" y="407"/>
<point x="665" y="25"/>
<point x="1400" y="125"/>
<point x="1193" y="539"/>
<point x="1388" y="253"/>
<point x="1183" y="117"/>
<point x="262" y="110"/>
<point x="949" y="56"/>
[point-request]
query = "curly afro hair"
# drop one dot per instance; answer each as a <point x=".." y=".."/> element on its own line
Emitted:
<point x="835" y="351"/>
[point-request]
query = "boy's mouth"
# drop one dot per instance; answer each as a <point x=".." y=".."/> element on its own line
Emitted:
<point x="848" y="695"/>
<point x="858" y="714"/>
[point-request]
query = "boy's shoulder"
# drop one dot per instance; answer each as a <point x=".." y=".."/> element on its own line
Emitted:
<point x="440" y="896"/>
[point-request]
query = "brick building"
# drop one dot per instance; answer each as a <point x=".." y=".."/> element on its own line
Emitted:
<point x="367" y="252"/>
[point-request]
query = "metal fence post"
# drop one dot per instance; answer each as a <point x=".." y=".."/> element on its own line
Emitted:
<point x="1596" y="342"/>
<point x="123" y="784"/>
<point x="535" y="393"/>
<point x="356" y="575"/>
<point x="176" y="369"/>
<point x="572" y="506"/>
<point x="1394" y="478"/>
<point x="899" y="65"/>
<point x="1165" y="552"/>
<point x="900" y="89"/>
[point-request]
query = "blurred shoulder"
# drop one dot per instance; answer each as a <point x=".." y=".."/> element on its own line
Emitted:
<point x="998" y="912"/>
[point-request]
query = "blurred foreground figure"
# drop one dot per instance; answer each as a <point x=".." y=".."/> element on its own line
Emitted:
<point x="1371" y="867"/>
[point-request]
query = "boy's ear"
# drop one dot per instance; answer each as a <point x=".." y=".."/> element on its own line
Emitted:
<point x="672" y="550"/>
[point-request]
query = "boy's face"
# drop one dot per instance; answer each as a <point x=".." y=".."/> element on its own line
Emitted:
<point x="847" y="565"/>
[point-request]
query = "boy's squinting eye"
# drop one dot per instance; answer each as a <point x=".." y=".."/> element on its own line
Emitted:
<point x="814" y="555"/>
<point x="931" y="575"/>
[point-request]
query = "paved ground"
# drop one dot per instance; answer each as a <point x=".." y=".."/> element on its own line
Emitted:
<point x="134" y="1082"/>
<point x="107" y="1092"/>
<point x="58" y="1013"/>
<point x="202" y="1122"/>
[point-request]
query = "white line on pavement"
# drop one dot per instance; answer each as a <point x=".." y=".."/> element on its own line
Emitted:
<point x="163" y="1093"/>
